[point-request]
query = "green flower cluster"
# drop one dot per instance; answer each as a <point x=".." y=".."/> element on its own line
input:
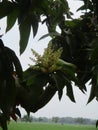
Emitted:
<point x="47" y="63"/>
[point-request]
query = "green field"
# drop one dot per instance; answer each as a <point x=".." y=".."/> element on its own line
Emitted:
<point x="40" y="126"/>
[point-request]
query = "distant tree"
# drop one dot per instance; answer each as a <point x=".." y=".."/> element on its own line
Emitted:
<point x="55" y="119"/>
<point x="27" y="118"/>
<point x="71" y="56"/>
<point x="40" y="119"/>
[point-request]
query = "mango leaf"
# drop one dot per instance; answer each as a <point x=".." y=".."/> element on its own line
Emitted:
<point x="44" y="98"/>
<point x="66" y="65"/>
<point x="59" y="81"/>
<point x="35" y="22"/>
<point x="67" y="82"/>
<point x="94" y="84"/>
<point x="68" y="69"/>
<point x="49" y="34"/>
<point x="24" y="29"/>
<point x="87" y="5"/>
<point x="92" y="93"/>
<point x="11" y="19"/>
<point x="69" y="89"/>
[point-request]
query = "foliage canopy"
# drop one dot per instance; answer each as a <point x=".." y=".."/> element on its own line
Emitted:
<point x="70" y="57"/>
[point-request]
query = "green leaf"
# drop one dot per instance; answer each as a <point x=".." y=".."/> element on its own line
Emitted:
<point x="94" y="84"/>
<point x="66" y="65"/>
<point x="59" y="81"/>
<point x="49" y="34"/>
<point x="34" y="22"/>
<point x="24" y="29"/>
<point x="87" y="5"/>
<point x="68" y="69"/>
<point x="69" y="89"/>
<point x="92" y="94"/>
<point x="11" y="19"/>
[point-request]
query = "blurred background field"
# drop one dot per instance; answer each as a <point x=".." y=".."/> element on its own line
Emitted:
<point x="46" y="126"/>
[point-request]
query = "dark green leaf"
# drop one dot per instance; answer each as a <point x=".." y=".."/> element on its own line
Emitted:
<point x="49" y="34"/>
<point x="59" y="81"/>
<point x="11" y="19"/>
<point x="44" y="98"/>
<point x="94" y="84"/>
<point x="86" y="6"/>
<point x="68" y="69"/>
<point x="25" y="29"/>
<point x="92" y="93"/>
<point x="67" y="82"/>
<point x="69" y="89"/>
<point x="34" y="22"/>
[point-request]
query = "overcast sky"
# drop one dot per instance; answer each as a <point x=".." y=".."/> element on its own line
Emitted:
<point x="55" y="107"/>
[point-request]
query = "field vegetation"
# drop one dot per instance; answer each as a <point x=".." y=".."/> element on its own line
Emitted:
<point x="45" y="126"/>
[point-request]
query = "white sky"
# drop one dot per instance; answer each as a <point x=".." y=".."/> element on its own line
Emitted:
<point x="55" y="107"/>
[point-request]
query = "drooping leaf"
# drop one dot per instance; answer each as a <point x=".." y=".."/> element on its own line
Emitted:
<point x="68" y="68"/>
<point x="25" y="29"/>
<point x="44" y="98"/>
<point x="35" y="23"/>
<point x="94" y="84"/>
<point x="59" y="81"/>
<point x="69" y="89"/>
<point x="92" y="93"/>
<point x="11" y="19"/>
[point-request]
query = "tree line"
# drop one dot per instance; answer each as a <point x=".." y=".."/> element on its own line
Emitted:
<point x="60" y="120"/>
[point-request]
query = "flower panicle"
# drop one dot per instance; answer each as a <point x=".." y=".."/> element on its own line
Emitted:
<point x="47" y="62"/>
